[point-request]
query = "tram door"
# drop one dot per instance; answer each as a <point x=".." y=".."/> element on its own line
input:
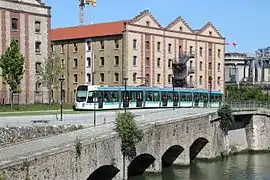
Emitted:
<point x="164" y="98"/>
<point x="126" y="99"/>
<point x="139" y="99"/>
<point x="175" y="99"/>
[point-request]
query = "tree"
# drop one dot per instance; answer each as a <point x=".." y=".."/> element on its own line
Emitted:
<point x="12" y="66"/>
<point x="227" y="118"/>
<point x="49" y="74"/>
<point x="129" y="134"/>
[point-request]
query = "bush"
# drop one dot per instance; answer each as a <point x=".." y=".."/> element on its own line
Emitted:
<point x="227" y="118"/>
<point x="129" y="133"/>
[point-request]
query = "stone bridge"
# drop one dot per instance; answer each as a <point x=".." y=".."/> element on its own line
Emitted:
<point x="174" y="141"/>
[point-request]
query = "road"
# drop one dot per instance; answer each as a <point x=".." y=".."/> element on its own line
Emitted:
<point x="48" y="144"/>
<point x="88" y="118"/>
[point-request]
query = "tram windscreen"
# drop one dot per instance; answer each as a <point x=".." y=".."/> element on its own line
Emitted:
<point x="81" y="94"/>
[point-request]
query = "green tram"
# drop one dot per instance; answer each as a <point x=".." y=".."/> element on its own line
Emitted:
<point x="90" y="97"/>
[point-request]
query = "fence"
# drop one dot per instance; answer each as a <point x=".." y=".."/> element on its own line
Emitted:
<point x="249" y="105"/>
<point x="36" y="97"/>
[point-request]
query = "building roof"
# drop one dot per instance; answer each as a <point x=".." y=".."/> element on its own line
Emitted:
<point x="88" y="31"/>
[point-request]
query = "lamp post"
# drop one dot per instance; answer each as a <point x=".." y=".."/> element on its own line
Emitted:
<point x="61" y="98"/>
<point x="95" y="101"/>
<point x="125" y="97"/>
<point x="173" y="90"/>
<point x="210" y="90"/>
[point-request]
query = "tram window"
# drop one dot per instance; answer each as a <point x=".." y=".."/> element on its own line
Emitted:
<point x="111" y="96"/>
<point x="90" y="97"/>
<point x="156" y="96"/>
<point x="186" y="97"/>
<point x="152" y="96"/>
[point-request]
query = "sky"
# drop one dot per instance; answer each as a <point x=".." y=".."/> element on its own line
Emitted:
<point x="245" y="22"/>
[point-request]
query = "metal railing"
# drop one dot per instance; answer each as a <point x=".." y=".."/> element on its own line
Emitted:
<point x="248" y="105"/>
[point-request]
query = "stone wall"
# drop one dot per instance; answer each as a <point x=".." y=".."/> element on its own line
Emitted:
<point x="11" y="135"/>
<point x="158" y="138"/>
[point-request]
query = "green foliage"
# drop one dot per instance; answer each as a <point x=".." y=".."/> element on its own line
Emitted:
<point x="33" y="107"/>
<point x="227" y="118"/>
<point x="245" y="93"/>
<point x="12" y="65"/>
<point x="128" y="132"/>
<point x="3" y="176"/>
<point x="49" y="74"/>
<point x="78" y="148"/>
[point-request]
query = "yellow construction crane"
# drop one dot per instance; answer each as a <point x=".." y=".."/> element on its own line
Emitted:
<point x="82" y="4"/>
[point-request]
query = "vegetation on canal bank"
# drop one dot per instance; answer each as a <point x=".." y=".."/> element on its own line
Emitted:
<point x="33" y="107"/>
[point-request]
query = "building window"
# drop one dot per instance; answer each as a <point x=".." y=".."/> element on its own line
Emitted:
<point x="75" y="47"/>
<point x="147" y="45"/>
<point x="147" y="61"/>
<point x="116" y="77"/>
<point x="201" y="66"/>
<point x="88" y="45"/>
<point x="180" y="28"/>
<point x="62" y="63"/>
<point x="101" y="77"/>
<point x="158" y="46"/>
<point x="200" y="80"/>
<point x="14" y="24"/>
<point x="75" y="63"/>
<point x="190" y="64"/>
<point x="218" y="67"/>
<point x="37" y="26"/>
<point x="134" y="77"/>
<point x="116" y="60"/>
<point x="210" y="33"/>
<point x="88" y="62"/>
<point x="62" y="48"/>
<point x="191" y="49"/>
<point x="134" y="60"/>
<point x="210" y="66"/>
<point x="37" y="46"/>
<point x="180" y="50"/>
<point x="101" y="44"/>
<point x="218" y="54"/>
<point x="170" y="78"/>
<point x="169" y="63"/>
<point x="38" y="67"/>
<point x="218" y="80"/>
<point x="38" y="86"/>
<point x="158" y="62"/>
<point x="147" y="23"/>
<point x="169" y="48"/>
<point x="116" y="44"/>
<point x="191" y="80"/>
<point x="88" y="77"/>
<point x="158" y="78"/>
<point x="201" y="51"/>
<point x="102" y="61"/>
<point x="75" y="78"/>
<point x="134" y="43"/>
<point x="210" y="52"/>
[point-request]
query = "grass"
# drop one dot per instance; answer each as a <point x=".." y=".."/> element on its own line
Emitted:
<point x="33" y="107"/>
<point x="33" y="113"/>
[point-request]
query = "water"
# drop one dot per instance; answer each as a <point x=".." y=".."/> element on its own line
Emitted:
<point x="240" y="167"/>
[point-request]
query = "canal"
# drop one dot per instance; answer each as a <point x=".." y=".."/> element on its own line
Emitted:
<point x="239" y="167"/>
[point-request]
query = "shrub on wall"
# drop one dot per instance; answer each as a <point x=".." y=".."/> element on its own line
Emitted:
<point x="226" y="118"/>
<point x="128" y="132"/>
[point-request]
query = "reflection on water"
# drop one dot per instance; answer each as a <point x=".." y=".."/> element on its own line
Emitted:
<point x="240" y="167"/>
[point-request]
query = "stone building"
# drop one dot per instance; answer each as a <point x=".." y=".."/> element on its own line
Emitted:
<point x="141" y="50"/>
<point x="29" y="23"/>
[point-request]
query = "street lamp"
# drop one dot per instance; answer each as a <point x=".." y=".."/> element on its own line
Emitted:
<point x="210" y="90"/>
<point x="61" y="100"/>
<point x="125" y="97"/>
<point x="173" y="90"/>
<point x="95" y="99"/>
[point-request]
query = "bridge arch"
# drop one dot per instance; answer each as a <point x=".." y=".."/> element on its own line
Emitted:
<point x="196" y="147"/>
<point x="170" y="155"/>
<point x="106" y="172"/>
<point x="139" y="164"/>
